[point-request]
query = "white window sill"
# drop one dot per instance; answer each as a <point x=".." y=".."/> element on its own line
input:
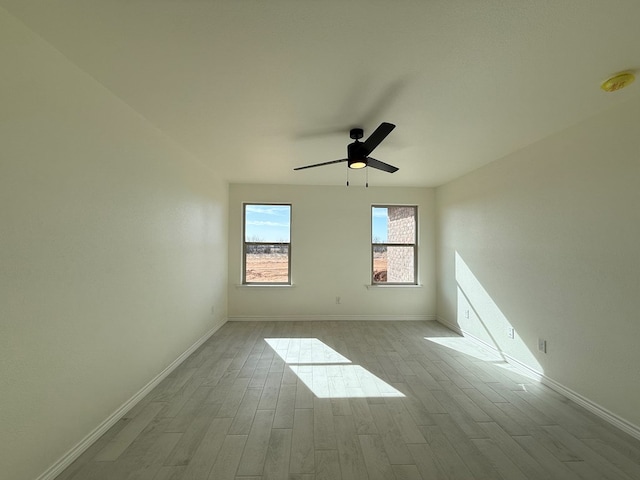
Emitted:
<point x="392" y="285"/>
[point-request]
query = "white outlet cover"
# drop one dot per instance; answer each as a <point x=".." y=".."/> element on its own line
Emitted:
<point x="542" y="345"/>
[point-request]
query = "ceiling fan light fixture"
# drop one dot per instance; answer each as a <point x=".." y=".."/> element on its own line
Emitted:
<point x="357" y="163"/>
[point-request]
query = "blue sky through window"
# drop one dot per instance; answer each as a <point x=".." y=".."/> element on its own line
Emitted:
<point x="380" y="223"/>
<point x="272" y="223"/>
<point x="267" y="223"/>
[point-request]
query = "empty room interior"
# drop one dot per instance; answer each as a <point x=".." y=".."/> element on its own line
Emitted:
<point x="319" y="240"/>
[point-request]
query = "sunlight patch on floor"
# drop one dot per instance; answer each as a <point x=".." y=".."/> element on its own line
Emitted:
<point x="327" y="373"/>
<point x="343" y="381"/>
<point x="468" y="347"/>
<point x="305" y="350"/>
<point x="476" y="349"/>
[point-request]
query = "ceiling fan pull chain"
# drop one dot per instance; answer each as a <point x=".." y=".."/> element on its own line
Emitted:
<point x="347" y="176"/>
<point x="366" y="185"/>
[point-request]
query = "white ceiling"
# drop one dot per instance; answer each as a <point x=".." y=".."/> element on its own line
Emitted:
<point x="254" y="88"/>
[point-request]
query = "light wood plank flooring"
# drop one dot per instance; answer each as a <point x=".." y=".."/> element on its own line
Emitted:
<point x="370" y="400"/>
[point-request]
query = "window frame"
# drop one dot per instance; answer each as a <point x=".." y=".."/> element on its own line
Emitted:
<point x="414" y="245"/>
<point x="245" y="244"/>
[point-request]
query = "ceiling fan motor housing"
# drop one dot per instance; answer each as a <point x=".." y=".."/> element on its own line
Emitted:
<point x="357" y="151"/>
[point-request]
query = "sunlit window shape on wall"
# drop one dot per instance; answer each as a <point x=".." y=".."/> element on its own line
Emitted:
<point x="479" y="315"/>
<point x="327" y="373"/>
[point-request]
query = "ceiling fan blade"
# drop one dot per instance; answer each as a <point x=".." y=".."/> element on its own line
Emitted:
<point x="322" y="132"/>
<point x="321" y="164"/>
<point x="378" y="136"/>
<point x="385" y="167"/>
<point x="385" y="100"/>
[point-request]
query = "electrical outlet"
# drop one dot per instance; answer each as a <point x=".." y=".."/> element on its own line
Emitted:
<point x="338" y="300"/>
<point x="511" y="332"/>
<point x="213" y="309"/>
<point x="542" y="345"/>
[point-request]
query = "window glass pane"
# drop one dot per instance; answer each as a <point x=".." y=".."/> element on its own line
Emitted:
<point x="401" y="225"/>
<point x="267" y="223"/>
<point x="393" y="264"/>
<point x="379" y="263"/>
<point x="379" y="222"/>
<point x="267" y="263"/>
<point x="393" y="225"/>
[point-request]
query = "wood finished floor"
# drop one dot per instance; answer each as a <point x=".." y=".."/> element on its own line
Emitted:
<point x="235" y="410"/>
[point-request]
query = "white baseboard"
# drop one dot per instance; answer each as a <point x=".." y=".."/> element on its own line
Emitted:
<point x="329" y="318"/>
<point x="68" y="458"/>
<point x="581" y="400"/>
<point x="593" y="407"/>
<point x="450" y="325"/>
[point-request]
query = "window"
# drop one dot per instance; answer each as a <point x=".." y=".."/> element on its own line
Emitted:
<point x="267" y="246"/>
<point x="394" y="235"/>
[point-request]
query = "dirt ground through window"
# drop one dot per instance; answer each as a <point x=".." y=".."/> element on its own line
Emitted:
<point x="271" y="268"/>
<point x="267" y="268"/>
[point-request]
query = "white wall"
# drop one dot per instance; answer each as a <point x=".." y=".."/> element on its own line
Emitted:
<point x="330" y="250"/>
<point x="547" y="240"/>
<point x="112" y="252"/>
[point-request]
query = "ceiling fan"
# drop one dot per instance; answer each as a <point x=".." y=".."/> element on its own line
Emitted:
<point x="358" y="152"/>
